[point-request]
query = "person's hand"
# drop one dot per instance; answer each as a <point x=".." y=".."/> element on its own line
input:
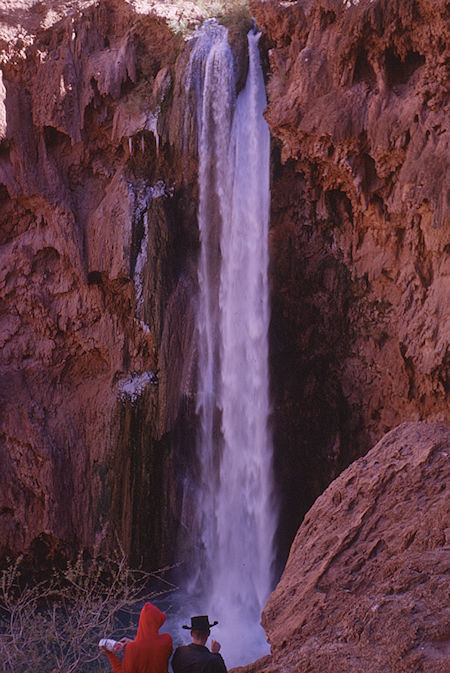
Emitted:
<point x="118" y="647"/>
<point x="215" y="646"/>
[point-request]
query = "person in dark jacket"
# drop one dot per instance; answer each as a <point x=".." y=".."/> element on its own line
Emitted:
<point x="196" y="658"/>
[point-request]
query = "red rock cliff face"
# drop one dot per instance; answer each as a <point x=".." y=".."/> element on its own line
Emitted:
<point x="358" y="107"/>
<point x="366" y="584"/>
<point x="96" y="234"/>
<point x="99" y="242"/>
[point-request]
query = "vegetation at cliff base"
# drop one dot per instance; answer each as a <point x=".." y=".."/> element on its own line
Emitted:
<point x="54" y="625"/>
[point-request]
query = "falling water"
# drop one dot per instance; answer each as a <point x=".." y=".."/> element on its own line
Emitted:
<point x="234" y="519"/>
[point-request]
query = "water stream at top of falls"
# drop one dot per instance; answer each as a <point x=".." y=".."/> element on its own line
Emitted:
<point x="231" y="512"/>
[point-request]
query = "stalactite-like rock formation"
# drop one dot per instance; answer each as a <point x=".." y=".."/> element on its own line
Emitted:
<point x="99" y="246"/>
<point x="358" y="107"/>
<point x="97" y="230"/>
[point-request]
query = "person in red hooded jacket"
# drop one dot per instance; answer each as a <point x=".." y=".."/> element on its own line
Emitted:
<point x="150" y="651"/>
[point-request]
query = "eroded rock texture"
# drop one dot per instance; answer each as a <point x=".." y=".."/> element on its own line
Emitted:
<point x="99" y="243"/>
<point x="97" y="229"/>
<point x="360" y="235"/>
<point x="366" y="584"/>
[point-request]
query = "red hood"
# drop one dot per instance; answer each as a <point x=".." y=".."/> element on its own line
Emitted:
<point x="150" y="621"/>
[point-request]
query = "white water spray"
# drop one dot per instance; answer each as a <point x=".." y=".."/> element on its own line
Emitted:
<point x="234" y="517"/>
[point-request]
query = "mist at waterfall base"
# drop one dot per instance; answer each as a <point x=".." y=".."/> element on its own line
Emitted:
<point x="229" y="508"/>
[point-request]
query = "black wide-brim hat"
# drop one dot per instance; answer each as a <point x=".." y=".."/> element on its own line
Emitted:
<point x="200" y="623"/>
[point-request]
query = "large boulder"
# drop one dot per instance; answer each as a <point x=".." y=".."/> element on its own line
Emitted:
<point x="365" y="587"/>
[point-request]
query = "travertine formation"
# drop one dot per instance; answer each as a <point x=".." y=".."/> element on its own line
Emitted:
<point x="359" y="105"/>
<point x="99" y="244"/>
<point x="95" y="239"/>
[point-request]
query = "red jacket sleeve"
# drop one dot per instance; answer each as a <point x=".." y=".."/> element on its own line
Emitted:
<point x="115" y="662"/>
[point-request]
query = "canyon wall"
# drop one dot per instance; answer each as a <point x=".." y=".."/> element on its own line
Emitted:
<point x="97" y="233"/>
<point x="99" y="245"/>
<point x="360" y="230"/>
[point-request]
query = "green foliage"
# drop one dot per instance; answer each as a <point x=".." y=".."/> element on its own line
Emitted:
<point x="54" y="626"/>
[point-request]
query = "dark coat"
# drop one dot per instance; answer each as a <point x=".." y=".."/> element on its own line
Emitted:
<point x="197" y="659"/>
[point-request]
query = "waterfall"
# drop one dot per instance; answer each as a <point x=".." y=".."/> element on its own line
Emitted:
<point x="232" y="517"/>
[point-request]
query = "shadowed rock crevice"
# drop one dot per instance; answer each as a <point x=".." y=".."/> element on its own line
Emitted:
<point x="358" y="234"/>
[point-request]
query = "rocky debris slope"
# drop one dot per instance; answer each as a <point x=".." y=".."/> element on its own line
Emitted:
<point x="360" y="229"/>
<point x="367" y="581"/>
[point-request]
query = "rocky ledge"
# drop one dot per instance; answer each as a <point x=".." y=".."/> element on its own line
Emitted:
<point x="366" y="584"/>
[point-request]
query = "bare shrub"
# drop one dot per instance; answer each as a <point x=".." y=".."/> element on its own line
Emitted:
<point x="54" y="626"/>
